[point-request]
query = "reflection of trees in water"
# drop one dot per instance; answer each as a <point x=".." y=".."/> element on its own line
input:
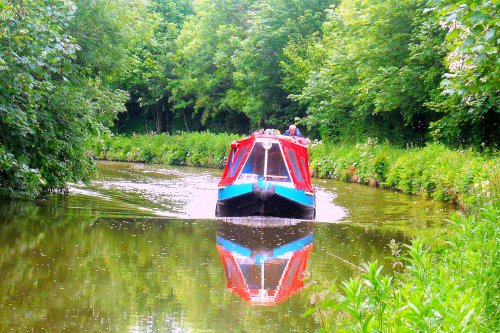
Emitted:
<point x="24" y="225"/>
<point x="355" y="244"/>
<point x="86" y="274"/>
<point x="369" y="205"/>
<point x="66" y="269"/>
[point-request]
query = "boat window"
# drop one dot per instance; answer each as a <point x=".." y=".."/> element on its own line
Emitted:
<point x="239" y="156"/>
<point x="304" y="166"/>
<point x="231" y="158"/>
<point x="292" y="274"/>
<point x="273" y="271"/>
<point x="232" y="273"/>
<point x="295" y="165"/>
<point x="255" y="162"/>
<point x="251" y="274"/>
<point x="276" y="167"/>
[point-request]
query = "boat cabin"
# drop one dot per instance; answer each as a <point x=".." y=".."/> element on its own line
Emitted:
<point x="268" y="158"/>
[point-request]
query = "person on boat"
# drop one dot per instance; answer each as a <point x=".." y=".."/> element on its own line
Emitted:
<point x="272" y="132"/>
<point x="293" y="131"/>
<point x="258" y="132"/>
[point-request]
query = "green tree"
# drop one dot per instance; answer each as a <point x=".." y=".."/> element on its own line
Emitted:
<point x="381" y="63"/>
<point x="259" y="77"/>
<point x="106" y="31"/>
<point x="203" y="82"/>
<point x="152" y="63"/>
<point x="57" y="59"/>
<point x="471" y="85"/>
<point x="36" y="56"/>
<point x="229" y="55"/>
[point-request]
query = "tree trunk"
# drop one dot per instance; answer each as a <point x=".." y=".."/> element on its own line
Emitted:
<point x="159" y="118"/>
<point x="185" y="121"/>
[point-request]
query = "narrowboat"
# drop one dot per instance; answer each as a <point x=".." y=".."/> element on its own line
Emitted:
<point x="267" y="175"/>
<point x="264" y="264"/>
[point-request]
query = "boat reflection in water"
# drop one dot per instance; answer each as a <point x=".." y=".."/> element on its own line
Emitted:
<point x="264" y="258"/>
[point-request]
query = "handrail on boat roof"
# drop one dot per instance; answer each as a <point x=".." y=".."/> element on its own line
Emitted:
<point x="275" y="138"/>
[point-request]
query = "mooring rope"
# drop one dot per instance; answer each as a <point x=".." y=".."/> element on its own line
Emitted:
<point x="346" y="261"/>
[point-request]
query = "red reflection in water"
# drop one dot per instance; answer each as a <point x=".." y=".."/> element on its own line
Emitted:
<point x="264" y="264"/>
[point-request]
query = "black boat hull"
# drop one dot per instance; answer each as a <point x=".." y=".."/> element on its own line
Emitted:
<point x="252" y="204"/>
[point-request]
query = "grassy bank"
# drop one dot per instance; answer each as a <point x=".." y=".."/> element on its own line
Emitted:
<point x="434" y="171"/>
<point x="455" y="290"/>
<point x="190" y="149"/>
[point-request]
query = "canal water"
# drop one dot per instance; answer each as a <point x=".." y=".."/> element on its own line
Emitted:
<point x="139" y="250"/>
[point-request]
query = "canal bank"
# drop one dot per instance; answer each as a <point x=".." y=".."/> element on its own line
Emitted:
<point x="434" y="171"/>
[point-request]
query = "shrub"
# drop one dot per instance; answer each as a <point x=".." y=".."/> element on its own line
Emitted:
<point x="192" y="149"/>
<point x="434" y="171"/>
<point x="456" y="290"/>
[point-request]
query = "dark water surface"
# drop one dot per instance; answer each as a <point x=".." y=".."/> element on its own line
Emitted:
<point x="139" y="250"/>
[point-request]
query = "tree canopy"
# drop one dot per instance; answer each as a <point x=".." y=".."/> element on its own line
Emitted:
<point x="342" y="69"/>
<point x="57" y="59"/>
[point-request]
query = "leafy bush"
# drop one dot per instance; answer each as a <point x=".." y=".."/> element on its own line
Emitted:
<point x="456" y="290"/>
<point x="434" y="171"/>
<point x="50" y="104"/>
<point x="192" y="149"/>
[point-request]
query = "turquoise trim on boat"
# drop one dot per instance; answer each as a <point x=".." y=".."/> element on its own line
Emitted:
<point x="299" y="196"/>
<point x="294" y="246"/>
<point x="235" y="190"/>
<point x="231" y="191"/>
<point x="233" y="247"/>
<point x="260" y="259"/>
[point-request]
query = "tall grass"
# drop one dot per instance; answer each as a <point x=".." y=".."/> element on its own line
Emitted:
<point x="359" y="162"/>
<point x="434" y="171"/>
<point x="456" y="290"/>
<point x="191" y="149"/>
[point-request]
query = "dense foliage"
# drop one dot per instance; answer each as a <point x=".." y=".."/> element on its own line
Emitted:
<point x="35" y="55"/>
<point x="433" y="171"/>
<point x="455" y="290"/>
<point x="56" y="67"/>
<point x="379" y="62"/>
<point x="406" y="71"/>
<point x="471" y="85"/>
<point x="151" y="65"/>
<point x="207" y="149"/>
